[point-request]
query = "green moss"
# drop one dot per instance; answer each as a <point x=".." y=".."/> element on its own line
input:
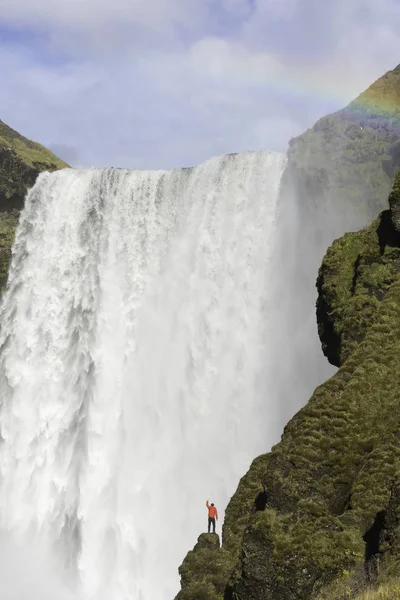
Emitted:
<point x="199" y="590"/>
<point x="346" y="586"/>
<point x="338" y="460"/>
<point x="352" y="586"/>
<point x="205" y="570"/>
<point x="242" y="504"/>
<point x="31" y="153"/>
<point x="356" y="273"/>
<point x="319" y="544"/>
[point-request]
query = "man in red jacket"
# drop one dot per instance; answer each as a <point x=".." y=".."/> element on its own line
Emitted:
<point x="212" y="515"/>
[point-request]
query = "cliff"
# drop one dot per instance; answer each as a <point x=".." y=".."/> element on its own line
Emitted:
<point x="328" y="526"/>
<point x="332" y="513"/>
<point x="21" y="160"/>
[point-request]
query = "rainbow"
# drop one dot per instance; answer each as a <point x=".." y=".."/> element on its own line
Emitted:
<point x="381" y="99"/>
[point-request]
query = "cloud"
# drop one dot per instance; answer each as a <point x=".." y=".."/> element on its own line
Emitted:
<point x="162" y="84"/>
<point x="93" y="14"/>
<point x="310" y="32"/>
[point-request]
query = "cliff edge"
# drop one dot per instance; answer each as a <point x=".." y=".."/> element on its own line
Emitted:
<point x="332" y="512"/>
<point x="21" y="161"/>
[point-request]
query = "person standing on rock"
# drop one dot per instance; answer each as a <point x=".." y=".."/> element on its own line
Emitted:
<point x="212" y="515"/>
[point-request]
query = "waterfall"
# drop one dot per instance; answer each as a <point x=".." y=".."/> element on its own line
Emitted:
<point x="137" y="336"/>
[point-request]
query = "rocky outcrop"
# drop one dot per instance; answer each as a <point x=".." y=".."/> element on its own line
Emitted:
<point x="394" y="203"/>
<point x="332" y="505"/>
<point x="205" y="569"/>
<point x="21" y="160"/>
<point x="356" y="274"/>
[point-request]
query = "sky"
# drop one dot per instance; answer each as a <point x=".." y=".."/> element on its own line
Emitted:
<point x="157" y="84"/>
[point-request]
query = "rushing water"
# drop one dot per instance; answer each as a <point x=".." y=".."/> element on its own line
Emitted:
<point x="137" y="330"/>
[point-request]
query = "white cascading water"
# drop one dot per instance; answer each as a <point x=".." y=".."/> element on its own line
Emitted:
<point x="136" y="331"/>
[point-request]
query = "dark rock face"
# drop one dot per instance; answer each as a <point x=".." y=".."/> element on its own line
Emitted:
<point x="331" y="478"/>
<point x="355" y="276"/>
<point x="16" y="177"/>
<point x="205" y="570"/>
<point x="21" y="161"/>
<point x="394" y="203"/>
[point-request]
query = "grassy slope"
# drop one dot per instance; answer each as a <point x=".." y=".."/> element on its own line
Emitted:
<point x="386" y="591"/>
<point x="31" y="153"/>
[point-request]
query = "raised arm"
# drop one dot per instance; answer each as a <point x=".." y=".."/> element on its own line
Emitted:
<point x="208" y="506"/>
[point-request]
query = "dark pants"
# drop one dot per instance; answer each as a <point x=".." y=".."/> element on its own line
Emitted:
<point x="211" y="521"/>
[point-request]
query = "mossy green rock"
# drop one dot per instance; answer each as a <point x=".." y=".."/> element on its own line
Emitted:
<point x="332" y="506"/>
<point x="205" y="570"/>
<point x="354" y="278"/>
<point x="394" y="203"/>
<point x="338" y="462"/>
<point x="21" y="160"/>
<point x="335" y="472"/>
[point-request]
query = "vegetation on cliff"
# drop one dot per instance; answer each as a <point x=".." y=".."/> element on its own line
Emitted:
<point x="31" y="153"/>
<point x="330" y="525"/>
<point x="21" y="160"/>
<point x="205" y="570"/>
<point x="389" y="590"/>
<point x="356" y="273"/>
